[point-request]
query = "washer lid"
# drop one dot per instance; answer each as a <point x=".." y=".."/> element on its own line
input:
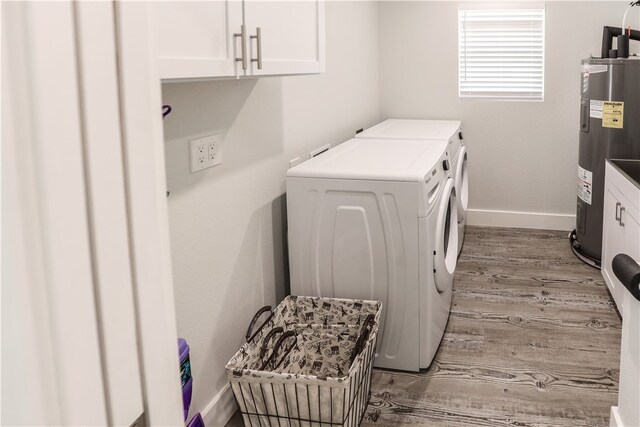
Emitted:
<point x="413" y="129"/>
<point x="375" y="159"/>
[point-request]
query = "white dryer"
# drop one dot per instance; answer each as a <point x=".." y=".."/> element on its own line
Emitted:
<point x="429" y="130"/>
<point x="374" y="220"/>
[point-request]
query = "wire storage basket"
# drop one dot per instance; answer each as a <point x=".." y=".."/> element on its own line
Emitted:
<point x="309" y="363"/>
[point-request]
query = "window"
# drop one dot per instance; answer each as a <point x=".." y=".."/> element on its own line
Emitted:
<point x="501" y="52"/>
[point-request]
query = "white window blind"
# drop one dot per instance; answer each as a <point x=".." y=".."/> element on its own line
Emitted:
<point x="501" y="52"/>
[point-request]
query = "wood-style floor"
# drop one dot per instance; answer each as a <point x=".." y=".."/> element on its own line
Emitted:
<point x="533" y="340"/>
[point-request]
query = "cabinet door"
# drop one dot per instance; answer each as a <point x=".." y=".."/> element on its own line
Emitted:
<point x="52" y="367"/>
<point x="107" y="207"/>
<point x="195" y="38"/>
<point x="620" y="235"/>
<point x="629" y="387"/>
<point x="291" y="37"/>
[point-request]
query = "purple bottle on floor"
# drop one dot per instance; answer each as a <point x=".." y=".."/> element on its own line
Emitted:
<point x="187" y="383"/>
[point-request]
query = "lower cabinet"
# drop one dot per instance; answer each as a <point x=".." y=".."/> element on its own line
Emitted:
<point x="621" y="228"/>
<point x="627" y="413"/>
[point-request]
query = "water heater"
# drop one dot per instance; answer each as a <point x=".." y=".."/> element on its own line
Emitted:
<point x="609" y="129"/>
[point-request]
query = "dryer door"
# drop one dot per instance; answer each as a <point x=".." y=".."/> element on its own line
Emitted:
<point x="462" y="183"/>
<point x="445" y="257"/>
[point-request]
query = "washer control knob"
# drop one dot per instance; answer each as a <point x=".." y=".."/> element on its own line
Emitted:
<point x="445" y="165"/>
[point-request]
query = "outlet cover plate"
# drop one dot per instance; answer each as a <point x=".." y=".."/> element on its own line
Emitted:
<point x="205" y="152"/>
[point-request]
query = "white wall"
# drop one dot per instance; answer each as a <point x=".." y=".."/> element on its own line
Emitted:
<point x="522" y="155"/>
<point x="227" y="223"/>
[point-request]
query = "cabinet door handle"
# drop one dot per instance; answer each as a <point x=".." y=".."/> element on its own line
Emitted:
<point x="243" y="49"/>
<point x="617" y="214"/>
<point x="620" y="220"/>
<point x="258" y="38"/>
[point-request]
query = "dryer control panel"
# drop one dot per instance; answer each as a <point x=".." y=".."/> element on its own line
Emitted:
<point x="432" y="187"/>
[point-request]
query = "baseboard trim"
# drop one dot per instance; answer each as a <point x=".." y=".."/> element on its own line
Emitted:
<point x="614" y="420"/>
<point x="220" y="409"/>
<point x="511" y="219"/>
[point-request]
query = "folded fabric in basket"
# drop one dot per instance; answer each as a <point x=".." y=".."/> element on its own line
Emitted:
<point x="322" y="312"/>
<point x="320" y="352"/>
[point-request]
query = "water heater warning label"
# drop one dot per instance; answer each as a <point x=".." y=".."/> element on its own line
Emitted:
<point x="595" y="109"/>
<point x="585" y="185"/>
<point x="612" y="114"/>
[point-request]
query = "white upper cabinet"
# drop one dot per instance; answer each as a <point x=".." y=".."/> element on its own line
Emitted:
<point x="285" y="37"/>
<point x="196" y="38"/>
<point x="234" y="38"/>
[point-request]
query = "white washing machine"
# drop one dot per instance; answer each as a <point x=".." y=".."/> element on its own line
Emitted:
<point x="429" y="130"/>
<point x="374" y="220"/>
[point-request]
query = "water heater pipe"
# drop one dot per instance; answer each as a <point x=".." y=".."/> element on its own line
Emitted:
<point x="608" y="33"/>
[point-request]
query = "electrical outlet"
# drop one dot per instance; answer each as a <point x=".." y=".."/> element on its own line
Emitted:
<point x="205" y="152"/>
<point x="215" y="150"/>
<point x="199" y="153"/>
